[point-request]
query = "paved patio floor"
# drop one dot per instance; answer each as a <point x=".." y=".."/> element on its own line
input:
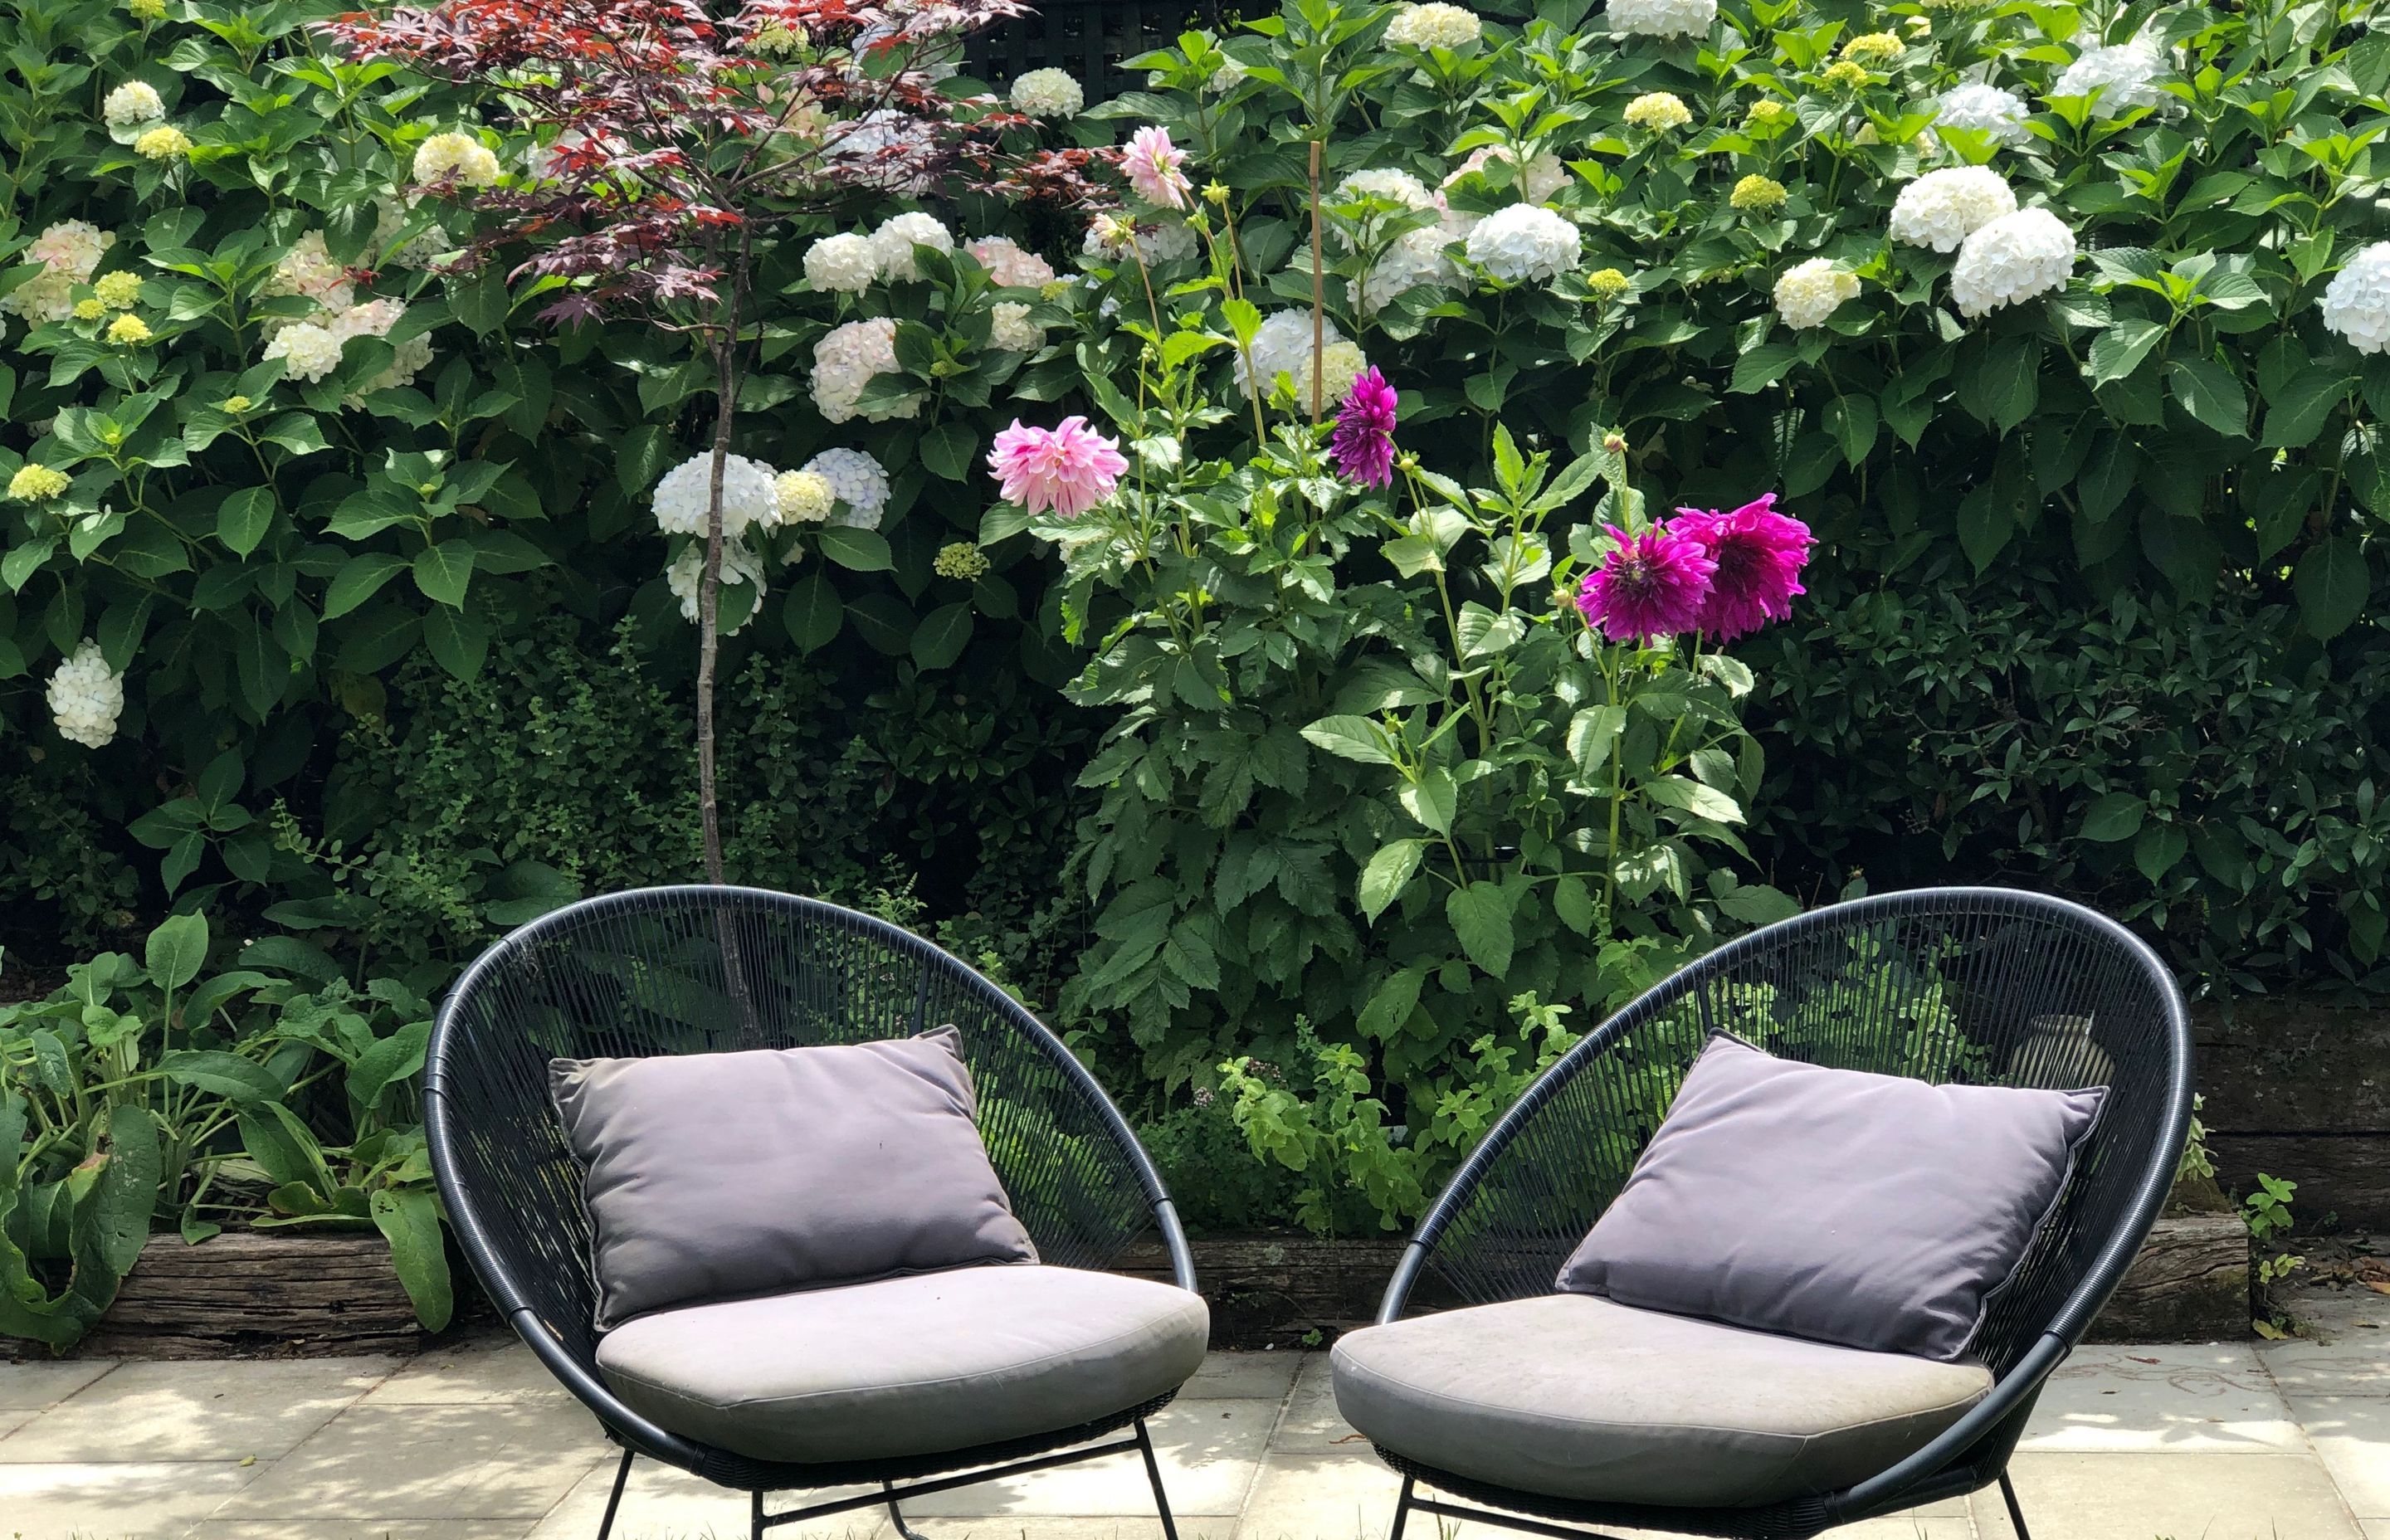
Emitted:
<point x="2235" y="1441"/>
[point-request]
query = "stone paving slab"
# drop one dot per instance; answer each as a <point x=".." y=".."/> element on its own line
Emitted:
<point x="2233" y="1442"/>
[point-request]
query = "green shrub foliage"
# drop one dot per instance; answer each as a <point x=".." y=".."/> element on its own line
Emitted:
<point x="332" y="593"/>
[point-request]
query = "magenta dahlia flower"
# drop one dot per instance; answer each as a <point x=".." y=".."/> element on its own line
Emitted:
<point x="1650" y="585"/>
<point x="1069" y="469"/>
<point x="1364" y="443"/>
<point x="1152" y="162"/>
<point x="1759" y="553"/>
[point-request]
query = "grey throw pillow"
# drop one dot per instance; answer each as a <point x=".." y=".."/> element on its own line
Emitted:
<point x="1870" y="1210"/>
<point x="714" y="1176"/>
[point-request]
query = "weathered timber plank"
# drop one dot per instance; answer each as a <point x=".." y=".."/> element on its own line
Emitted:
<point x="1276" y="1290"/>
<point x="2346" y="1175"/>
<point x="2293" y="1066"/>
<point x="258" y="1291"/>
<point x="2190" y="1284"/>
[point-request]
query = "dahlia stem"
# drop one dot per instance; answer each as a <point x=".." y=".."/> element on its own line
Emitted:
<point x="1318" y="292"/>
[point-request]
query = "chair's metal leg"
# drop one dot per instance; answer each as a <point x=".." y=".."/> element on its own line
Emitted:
<point x="2016" y="1514"/>
<point x="614" y="1498"/>
<point x="896" y="1515"/>
<point x="1402" y="1511"/>
<point x="1153" y="1474"/>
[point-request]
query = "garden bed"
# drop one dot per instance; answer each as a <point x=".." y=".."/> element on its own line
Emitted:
<point x="258" y="1294"/>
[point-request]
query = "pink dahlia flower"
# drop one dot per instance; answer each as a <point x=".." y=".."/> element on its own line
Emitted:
<point x="1759" y="554"/>
<point x="1650" y="585"/>
<point x="1152" y="162"/>
<point x="1069" y="469"/>
<point x="1363" y="441"/>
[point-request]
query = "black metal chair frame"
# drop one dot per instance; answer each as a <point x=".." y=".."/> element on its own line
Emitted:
<point x="512" y="1190"/>
<point x="2122" y="1176"/>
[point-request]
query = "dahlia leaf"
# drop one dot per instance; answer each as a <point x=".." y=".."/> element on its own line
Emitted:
<point x="1388" y="873"/>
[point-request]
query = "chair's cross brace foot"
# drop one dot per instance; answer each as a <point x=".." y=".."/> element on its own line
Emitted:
<point x="1153" y="1474"/>
<point x="1502" y="1520"/>
<point x="893" y="1494"/>
<point x="2016" y="1514"/>
<point x="896" y="1516"/>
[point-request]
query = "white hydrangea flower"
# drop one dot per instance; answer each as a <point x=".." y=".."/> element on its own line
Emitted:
<point x="86" y="697"/>
<point x="750" y="495"/>
<point x="2011" y="259"/>
<point x="1657" y="112"/>
<point x="308" y="351"/>
<point x="844" y="362"/>
<point x="1048" y="94"/>
<point x="888" y="150"/>
<point x="2356" y="301"/>
<point x="1008" y="264"/>
<point x="1662" y="18"/>
<point x="1165" y="240"/>
<point x="892" y="243"/>
<point x="843" y="263"/>
<point x="922" y="22"/>
<point x="1943" y="208"/>
<point x="457" y="157"/>
<point x="1523" y="242"/>
<point x="805" y="496"/>
<point x="69" y="251"/>
<point x="860" y="483"/>
<point x="1435" y="25"/>
<point x="1417" y="257"/>
<point x="1227" y="78"/>
<point x="778" y="39"/>
<point x="1394" y="187"/>
<point x="1545" y="175"/>
<point x="133" y="104"/>
<point x="740" y="566"/>
<point x="1811" y="291"/>
<point x="2126" y="77"/>
<point x="1282" y="345"/>
<point x="409" y="359"/>
<point x="375" y="318"/>
<point x="308" y="269"/>
<point x="1986" y="110"/>
<point x="1011" y="331"/>
<point x="420" y="251"/>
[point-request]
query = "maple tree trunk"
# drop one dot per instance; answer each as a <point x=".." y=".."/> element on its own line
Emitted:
<point x="709" y="596"/>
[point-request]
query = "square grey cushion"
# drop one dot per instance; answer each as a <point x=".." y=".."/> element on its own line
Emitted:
<point x="1873" y="1211"/>
<point x="710" y="1177"/>
<point x="910" y="1366"/>
<point x="1572" y="1397"/>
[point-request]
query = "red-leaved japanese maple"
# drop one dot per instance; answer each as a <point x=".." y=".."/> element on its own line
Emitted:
<point x="677" y="139"/>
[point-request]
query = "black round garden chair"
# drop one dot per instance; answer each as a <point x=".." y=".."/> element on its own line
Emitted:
<point x="1965" y="985"/>
<point x="694" y="970"/>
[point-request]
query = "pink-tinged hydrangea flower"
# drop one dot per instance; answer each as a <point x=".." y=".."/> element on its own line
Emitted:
<point x="1759" y="554"/>
<point x="1650" y="585"/>
<point x="1151" y="163"/>
<point x="1363" y="441"/>
<point x="1069" y="469"/>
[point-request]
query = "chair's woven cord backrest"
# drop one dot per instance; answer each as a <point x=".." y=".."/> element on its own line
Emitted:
<point x="1972" y="986"/>
<point x="702" y="969"/>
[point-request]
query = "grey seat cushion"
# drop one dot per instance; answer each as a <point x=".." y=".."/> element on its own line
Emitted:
<point x="908" y="1365"/>
<point x="1572" y="1396"/>
<point x="719" y="1174"/>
